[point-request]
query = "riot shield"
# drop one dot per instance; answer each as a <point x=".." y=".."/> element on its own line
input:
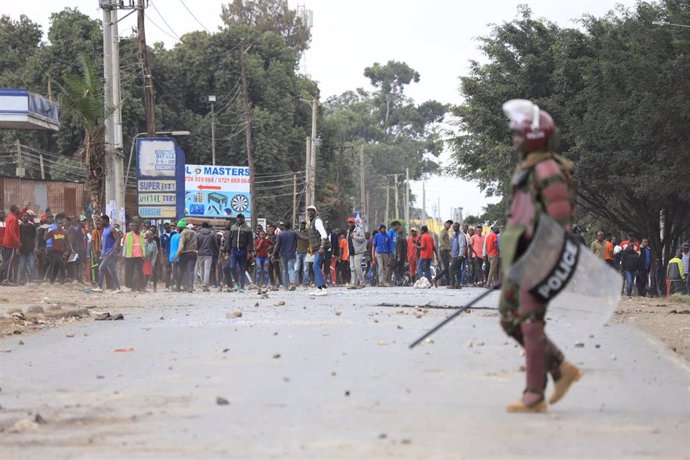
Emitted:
<point x="582" y="290"/>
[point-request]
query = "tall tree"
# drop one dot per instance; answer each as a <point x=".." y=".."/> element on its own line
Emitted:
<point x="83" y="99"/>
<point x="618" y="91"/>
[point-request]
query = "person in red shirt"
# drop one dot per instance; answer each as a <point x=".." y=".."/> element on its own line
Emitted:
<point x="10" y="242"/>
<point x="492" y="253"/>
<point x="412" y="256"/>
<point x="343" y="266"/>
<point x="427" y="253"/>
<point x="262" y="246"/>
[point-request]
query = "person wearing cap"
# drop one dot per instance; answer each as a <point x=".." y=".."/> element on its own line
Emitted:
<point x="187" y="255"/>
<point x="380" y="255"/>
<point x="27" y="245"/>
<point x="413" y="253"/>
<point x="239" y="245"/>
<point x="357" y="244"/>
<point x="318" y="242"/>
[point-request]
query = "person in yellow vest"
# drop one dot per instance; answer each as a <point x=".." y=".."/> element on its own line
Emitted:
<point x="135" y="251"/>
<point x="675" y="274"/>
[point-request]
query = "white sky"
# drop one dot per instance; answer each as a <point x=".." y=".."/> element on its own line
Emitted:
<point x="435" y="37"/>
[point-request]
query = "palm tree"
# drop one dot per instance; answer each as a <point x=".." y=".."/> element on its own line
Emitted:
<point x="83" y="99"/>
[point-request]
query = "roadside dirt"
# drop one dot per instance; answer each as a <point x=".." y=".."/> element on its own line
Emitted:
<point x="24" y="309"/>
<point x="667" y="319"/>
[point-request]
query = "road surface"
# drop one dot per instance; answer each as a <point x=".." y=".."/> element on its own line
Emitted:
<point x="327" y="378"/>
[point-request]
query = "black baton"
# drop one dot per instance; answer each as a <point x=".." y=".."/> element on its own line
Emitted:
<point x="454" y="315"/>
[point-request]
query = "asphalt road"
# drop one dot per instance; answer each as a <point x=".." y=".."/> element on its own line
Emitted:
<point x="326" y="378"/>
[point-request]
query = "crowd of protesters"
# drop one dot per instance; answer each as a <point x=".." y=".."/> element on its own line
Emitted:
<point x="316" y="254"/>
<point x="641" y="269"/>
<point x="60" y="248"/>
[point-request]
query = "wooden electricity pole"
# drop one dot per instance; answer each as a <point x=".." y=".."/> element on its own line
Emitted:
<point x="144" y="60"/>
<point x="248" y="133"/>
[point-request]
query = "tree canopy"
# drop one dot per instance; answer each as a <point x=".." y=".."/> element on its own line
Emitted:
<point x="616" y="87"/>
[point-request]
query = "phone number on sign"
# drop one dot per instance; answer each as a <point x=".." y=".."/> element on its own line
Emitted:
<point x="218" y="180"/>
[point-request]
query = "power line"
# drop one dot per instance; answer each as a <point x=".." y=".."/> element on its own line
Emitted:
<point x="166" y="22"/>
<point x="195" y="18"/>
<point x="161" y="29"/>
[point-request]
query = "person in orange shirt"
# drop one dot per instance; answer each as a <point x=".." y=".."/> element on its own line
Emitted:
<point x="608" y="252"/>
<point x="476" y="249"/>
<point x="343" y="267"/>
<point x="412" y="256"/>
<point x="492" y="253"/>
<point x="427" y="253"/>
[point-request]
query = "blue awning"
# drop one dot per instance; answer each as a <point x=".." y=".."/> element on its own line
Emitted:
<point x="22" y="109"/>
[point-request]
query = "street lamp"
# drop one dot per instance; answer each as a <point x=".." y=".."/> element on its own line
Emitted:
<point x="134" y="139"/>
<point x="212" y="100"/>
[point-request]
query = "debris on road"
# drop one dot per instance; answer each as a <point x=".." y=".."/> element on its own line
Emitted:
<point x="24" y="425"/>
<point x="234" y="314"/>
<point x="579" y="345"/>
<point x="222" y="401"/>
<point x="108" y="317"/>
<point x="280" y="304"/>
<point x="276" y="356"/>
<point x="123" y="350"/>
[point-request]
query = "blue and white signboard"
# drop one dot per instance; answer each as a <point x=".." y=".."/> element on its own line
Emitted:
<point x="217" y="191"/>
<point x="160" y="178"/>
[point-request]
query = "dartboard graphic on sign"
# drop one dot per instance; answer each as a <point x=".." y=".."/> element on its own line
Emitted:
<point x="217" y="191"/>
<point x="239" y="203"/>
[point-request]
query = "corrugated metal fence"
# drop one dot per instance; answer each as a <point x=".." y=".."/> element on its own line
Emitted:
<point x="67" y="197"/>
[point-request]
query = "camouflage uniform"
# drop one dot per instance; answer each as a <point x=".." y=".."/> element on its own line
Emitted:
<point x="541" y="184"/>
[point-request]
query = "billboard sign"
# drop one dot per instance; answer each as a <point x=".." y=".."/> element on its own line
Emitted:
<point x="160" y="178"/>
<point x="217" y="191"/>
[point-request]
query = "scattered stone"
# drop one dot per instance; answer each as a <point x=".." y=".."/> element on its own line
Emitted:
<point x="100" y="377"/>
<point x="225" y="350"/>
<point x="234" y="314"/>
<point x="275" y="333"/>
<point x="398" y="326"/>
<point x="347" y="393"/>
<point x="222" y="401"/>
<point x="69" y="335"/>
<point x="579" y="345"/>
<point x="276" y="356"/>
<point x="286" y="379"/>
<point x="597" y="346"/>
<point x="406" y="442"/>
<point x="264" y="296"/>
<point x="256" y="304"/>
<point x="21" y="342"/>
<point x="24" y="425"/>
<point x="376" y="321"/>
<point x="383" y="436"/>
<point x="338" y="313"/>
<point x="613" y="358"/>
<point x="280" y="304"/>
<point x="162" y="318"/>
<point x="40" y="420"/>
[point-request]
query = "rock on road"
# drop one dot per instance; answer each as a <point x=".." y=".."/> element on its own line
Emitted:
<point x="214" y="375"/>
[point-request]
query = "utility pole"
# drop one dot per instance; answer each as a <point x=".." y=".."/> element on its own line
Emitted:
<point x="212" y="100"/>
<point x="144" y="59"/>
<point x="308" y="172"/>
<point x="110" y="177"/>
<point x="314" y="142"/>
<point x="423" y="200"/>
<point x="397" y="207"/>
<point x="407" y="200"/>
<point x="387" y="204"/>
<point x="248" y="131"/>
<point x="43" y="170"/>
<point x="20" y="162"/>
<point x="117" y="159"/>
<point x="361" y="180"/>
<point x="294" y="201"/>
